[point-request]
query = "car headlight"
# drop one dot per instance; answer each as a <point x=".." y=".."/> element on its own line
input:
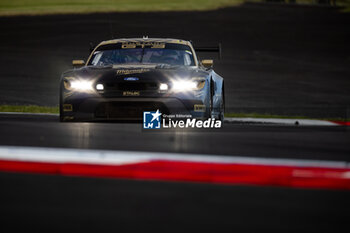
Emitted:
<point x="82" y="85"/>
<point x="100" y="87"/>
<point x="187" y="85"/>
<point x="163" y="87"/>
<point x="79" y="85"/>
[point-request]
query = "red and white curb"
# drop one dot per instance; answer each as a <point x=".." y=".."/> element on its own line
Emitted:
<point x="301" y="122"/>
<point x="177" y="167"/>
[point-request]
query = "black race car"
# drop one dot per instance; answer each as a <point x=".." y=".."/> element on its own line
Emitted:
<point x="122" y="78"/>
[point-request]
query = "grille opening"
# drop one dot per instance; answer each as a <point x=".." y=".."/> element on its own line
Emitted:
<point x="128" y="110"/>
<point x="132" y="86"/>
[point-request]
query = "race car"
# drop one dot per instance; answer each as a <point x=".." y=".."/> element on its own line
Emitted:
<point x="122" y="78"/>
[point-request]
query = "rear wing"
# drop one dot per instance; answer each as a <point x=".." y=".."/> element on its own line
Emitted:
<point x="215" y="49"/>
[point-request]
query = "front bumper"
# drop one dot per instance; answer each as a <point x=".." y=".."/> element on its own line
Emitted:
<point x="131" y="108"/>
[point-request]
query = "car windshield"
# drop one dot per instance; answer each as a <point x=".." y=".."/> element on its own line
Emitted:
<point x="131" y="53"/>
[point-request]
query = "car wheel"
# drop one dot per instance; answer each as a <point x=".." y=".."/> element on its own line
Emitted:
<point x="222" y="112"/>
<point x="62" y="116"/>
<point x="211" y="93"/>
<point x="222" y="106"/>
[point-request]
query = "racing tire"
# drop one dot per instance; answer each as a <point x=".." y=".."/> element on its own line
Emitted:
<point x="211" y="94"/>
<point x="222" y="107"/>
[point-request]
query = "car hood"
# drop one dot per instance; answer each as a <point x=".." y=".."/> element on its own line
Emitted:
<point x="139" y="72"/>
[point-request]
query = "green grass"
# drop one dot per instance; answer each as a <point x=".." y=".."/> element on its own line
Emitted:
<point x="43" y="7"/>
<point x="39" y="7"/>
<point x="28" y="109"/>
<point x="339" y="3"/>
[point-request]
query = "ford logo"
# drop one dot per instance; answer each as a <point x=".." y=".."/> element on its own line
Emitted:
<point x="131" y="79"/>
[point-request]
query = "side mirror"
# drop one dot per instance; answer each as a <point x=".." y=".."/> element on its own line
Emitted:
<point x="207" y="63"/>
<point x="78" y="63"/>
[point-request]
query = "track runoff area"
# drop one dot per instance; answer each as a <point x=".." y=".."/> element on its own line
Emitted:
<point x="228" y="170"/>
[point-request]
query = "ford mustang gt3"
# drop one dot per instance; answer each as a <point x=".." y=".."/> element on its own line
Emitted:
<point x="122" y="78"/>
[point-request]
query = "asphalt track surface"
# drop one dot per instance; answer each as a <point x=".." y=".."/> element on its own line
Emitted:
<point x="276" y="58"/>
<point x="71" y="204"/>
<point x="49" y="203"/>
<point x="319" y="143"/>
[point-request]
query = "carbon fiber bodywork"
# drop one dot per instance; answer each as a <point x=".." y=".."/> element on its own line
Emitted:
<point x="131" y="89"/>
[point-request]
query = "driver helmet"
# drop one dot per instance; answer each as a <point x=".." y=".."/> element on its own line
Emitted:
<point x="167" y="53"/>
